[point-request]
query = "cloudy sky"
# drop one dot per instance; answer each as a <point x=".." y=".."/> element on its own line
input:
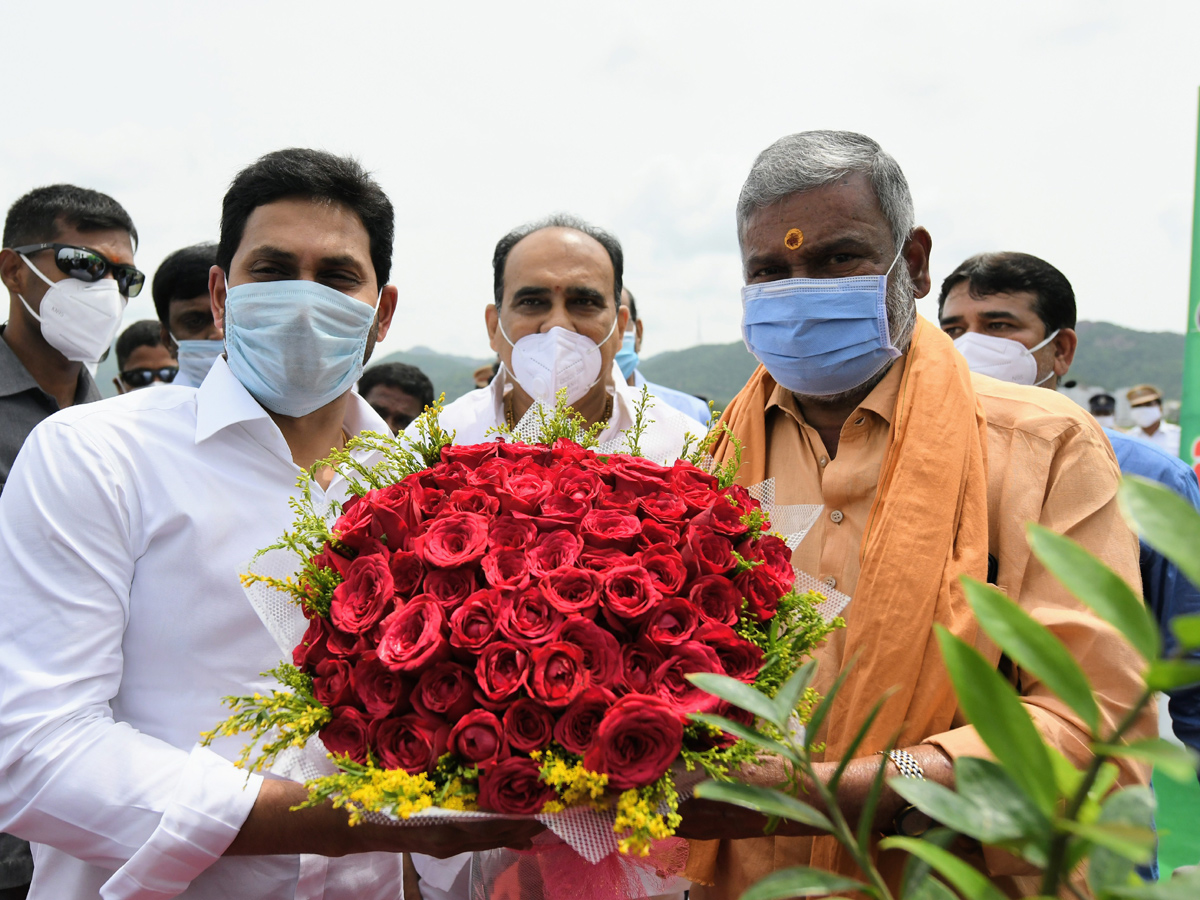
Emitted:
<point x="1067" y="130"/>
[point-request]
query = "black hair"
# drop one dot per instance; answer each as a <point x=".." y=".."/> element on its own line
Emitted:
<point x="40" y="216"/>
<point x="182" y="276"/>
<point x="632" y="306"/>
<point x="145" y="333"/>
<point x="402" y="377"/>
<point x="316" y="175"/>
<point x="1010" y="273"/>
<point x="559" y="220"/>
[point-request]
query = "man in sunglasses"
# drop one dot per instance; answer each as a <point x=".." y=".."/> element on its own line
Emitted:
<point x="67" y="263"/>
<point x="142" y="358"/>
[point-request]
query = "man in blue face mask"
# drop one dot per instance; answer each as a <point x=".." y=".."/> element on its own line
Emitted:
<point x="865" y="411"/>
<point x="628" y="357"/>
<point x="180" y="290"/>
<point x="122" y="532"/>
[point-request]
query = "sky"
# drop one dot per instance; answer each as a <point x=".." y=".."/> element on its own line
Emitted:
<point x="1064" y="129"/>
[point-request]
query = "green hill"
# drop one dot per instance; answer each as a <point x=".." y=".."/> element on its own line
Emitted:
<point x="1112" y="356"/>
<point x="715" y="372"/>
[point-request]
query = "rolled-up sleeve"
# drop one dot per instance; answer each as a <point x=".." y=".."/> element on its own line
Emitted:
<point x="70" y="775"/>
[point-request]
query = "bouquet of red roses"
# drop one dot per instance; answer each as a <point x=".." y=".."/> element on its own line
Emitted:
<point x="510" y="627"/>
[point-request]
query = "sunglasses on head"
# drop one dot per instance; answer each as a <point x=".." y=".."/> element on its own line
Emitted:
<point x="88" y="265"/>
<point x="140" y="378"/>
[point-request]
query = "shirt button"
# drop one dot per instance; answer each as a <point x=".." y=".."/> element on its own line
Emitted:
<point x="830" y="581"/>
<point x="823" y="461"/>
<point x="836" y="516"/>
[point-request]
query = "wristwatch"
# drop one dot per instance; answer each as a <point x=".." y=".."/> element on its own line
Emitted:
<point x="909" y="821"/>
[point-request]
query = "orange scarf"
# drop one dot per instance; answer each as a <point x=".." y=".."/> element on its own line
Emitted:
<point x="927" y="525"/>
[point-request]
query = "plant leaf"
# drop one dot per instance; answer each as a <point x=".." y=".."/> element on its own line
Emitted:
<point x="852" y="747"/>
<point x="1177" y="763"/>
<point x="1130" y="841"/>
<point x="1185" y="886"/>
<point x="916" y="871"/>
<point x="1134" y="806"/>
<point x="767" y="801"/>
<point x="866" y="816"/>
<point x="743" y="696"/>
<point x="1097" y="586"/>
<point x="1187" y="631"/>
<point x="1168" y="523"/>
<point x="969" y="881"/>
<point x="1169" y="674"/>
<point x="799" y="881"/>
<point x="747" y="734"/>
<point x="992" y="706"/>
<point x="789" y="694"/>
<point x="930" y="889"/>
<point x="1033" y="647"/>
<point x="826" y="704"/>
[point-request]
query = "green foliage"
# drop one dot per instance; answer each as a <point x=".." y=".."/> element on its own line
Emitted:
<point x="1165" y="520"/>
<point x="800" y="881"/>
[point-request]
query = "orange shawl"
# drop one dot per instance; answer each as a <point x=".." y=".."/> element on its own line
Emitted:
<point x="927" y="525"/>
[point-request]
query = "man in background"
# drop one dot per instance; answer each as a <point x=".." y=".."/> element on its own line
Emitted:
<point x="1103" y="408"/>
<point x="627" y="359"/>
<point x="398" y="392"/>
<point x="142" y="360"/>
<point x="985" y="297"/>
<point x="189" y="332"/>
<point x="1145" y="403"/>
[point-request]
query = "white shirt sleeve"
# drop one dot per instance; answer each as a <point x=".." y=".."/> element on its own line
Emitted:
<point x="71" y="776"/>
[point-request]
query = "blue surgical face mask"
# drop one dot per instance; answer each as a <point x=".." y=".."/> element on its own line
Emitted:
<point x="195" y="358"/>
<point x="295" y="345"/>
<point x="627" y="357"/>
<point x="819" y="336"/>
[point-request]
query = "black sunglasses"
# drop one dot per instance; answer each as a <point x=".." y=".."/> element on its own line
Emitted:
<point x="88" y="265"/>
<point x="140" y="378"/>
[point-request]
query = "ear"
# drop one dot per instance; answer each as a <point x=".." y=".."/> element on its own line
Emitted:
<point x="119" y="385"/>
<point x="216" y="295"/>
<point x="491" y="317"/>
<point x="916" y="257"/>
<point x="13" y="272"/>
<point x="622" y="324"/>
<point x="1064" y="344"/>
<point x="386" y="309"/>
<point x="167" y="341"/>
<point x="637" y="342"/>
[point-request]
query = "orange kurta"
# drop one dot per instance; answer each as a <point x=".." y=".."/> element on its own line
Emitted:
<point x="1046" y="461"/>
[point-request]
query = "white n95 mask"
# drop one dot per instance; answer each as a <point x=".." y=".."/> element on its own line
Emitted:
<point x="1002" y="358"/>
<point x="544" y="363"/>
<point x="79" y="319"/>
<point x="1147" y="415"/>
<point x="295" y="345"/>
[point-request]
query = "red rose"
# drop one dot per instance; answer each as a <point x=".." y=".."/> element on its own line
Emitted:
<point x="573" y="591"/>
<point x="450" y="587"/>
<point x="601" y="652"/>
<point x="722" y="517"/>
<point x="708" y="553"/>
<point x="527" y="617"/>
<point x="409" y="742"/>
<point x="473" y="624"/>
<point x="478" y="737"/>
<point x="576" y="728"/>
<point x="505" y="568"/>
<point x="470" y="455"/>
<point x="716" y="598"/>
<point x="356" y="526"/>
<point x="739" y="658"/>
<point x="344" y="645"/>
<point x="776" y="559"/>
<point x="312" y="647"/>
<point x="671" y="622"/>
<point x="346" y="734"/>
<point x="604" y="560"/>
<point x="490" y="475"/>
<point x="636" y="742"/>
<point x="407" y="572"/>
<point x="694" y="487"/>
<point x="510" y="532"/>
<point x="580" y="484"/>
<point x="639" y="667"/>
<point x="392" y="510"/>
<point x="538" y="454"/>
<point x="625" y="501"/>
<point x="761" y="590"/>
<point x="501" y="671"/>
<point x="609" y="528"/>
<point x="554" y="550"/>
<point x="453" y="540"/>
<point x="674" y="688"/>
<point x="665" y="566"/>
<point x="472" y="500"/>
<point x="663" y="506"/>
<point x="380" y="690"/>
<point x="329" y="558"/>
<point x="629" y="593"/>
<point x="523" y="493"/>
<point x="364" y="597"/>
<point x="425" y="501"/>
<point x="444" y="691"/>
<point x="638" y="475"/>
<point x="331" y="683"/>
<point x="413" y="637"/>
<point x="559" y="509"/>
<point x="657" y="533"/>
<point x="528" y="725"/>
<point x="565" y="451"/>
<point x="448" y="478"/>
<point x="513" y="787"/>
<point x="557" y="674"/>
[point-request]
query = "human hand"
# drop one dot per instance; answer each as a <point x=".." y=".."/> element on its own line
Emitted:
<point x="446" y="838"/>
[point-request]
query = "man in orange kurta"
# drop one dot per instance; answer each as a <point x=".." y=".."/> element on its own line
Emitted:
<point x="925" y="473"/>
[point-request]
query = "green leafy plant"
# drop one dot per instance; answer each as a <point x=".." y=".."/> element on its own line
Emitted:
<point x="1031" y="801"/>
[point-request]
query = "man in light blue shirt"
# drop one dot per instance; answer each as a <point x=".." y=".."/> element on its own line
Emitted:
<point x="627" y="359"/>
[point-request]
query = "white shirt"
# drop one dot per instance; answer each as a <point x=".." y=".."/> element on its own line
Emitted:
<point x="1166" y="436"/>
<point x="122" y="529"/>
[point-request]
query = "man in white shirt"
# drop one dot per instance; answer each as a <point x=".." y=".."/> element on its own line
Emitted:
<point x="627" y="359"/>
<point x="1145" y="403"/>
<point x="122" y="529"/>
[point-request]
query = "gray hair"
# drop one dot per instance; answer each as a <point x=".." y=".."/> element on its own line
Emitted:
<point x="812" y="159"/>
